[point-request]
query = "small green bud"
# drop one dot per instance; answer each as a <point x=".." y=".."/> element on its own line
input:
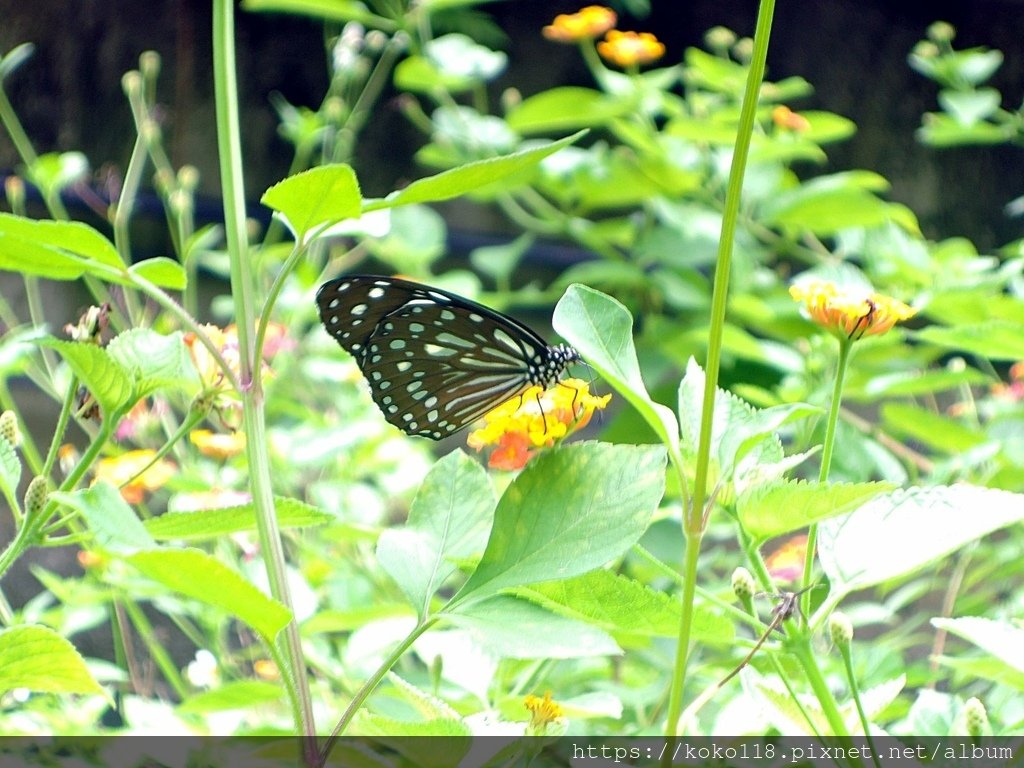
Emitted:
<point x="149" y="65"/>
<point x="131" y="82"/>
<point x="941" y="32"/>
<point x="14" y="186"/>
<point x="743" y="585"/>
<point x="926" y="49"/>
<point x="35" y="495"/>
<point x="975" y="717"/>
<point x="150" y="131"/>
<point x="188" y="177"/>
<point x="840" y="628"/>
<point x="719" y="39"/>
<point x="9" y="428"/>
<point x="743" y="50"/>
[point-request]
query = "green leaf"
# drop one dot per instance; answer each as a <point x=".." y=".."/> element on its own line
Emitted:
<point x="401" y="735"/>
<point x="237" y="694"/>
<point x="10" y="468"/>
<point x="825" y="212"/>
<point x="995" y="340"/>
<point x="156" y="361"/>
<point x="449" y="521"/>
<point x="57" y="250"/>
<point x="39" y="659"/>
<point x="195" y="574"/>
<point x="215" y="523"/>
<point x="999" y="639"/>
<point x="628" y="609"/>
<point x="108" y="381"/>
<point x="571" y="510"/>
<point x="901" y="532"/>
<point x="162" y="272"/>
<point x="458" y="181"/>
<point x="565" y="109"/>
<point x="336" y="10"/>
<point x="767" y="511"/>
<point x="418" y="74"/>
<point x="517" y="629"/>
<point x="114" y="525"/>
<point x="316" y="198"/>
<point x="601" y="330"/>
<point x="932" y="429"/>
<point x="913" y="384"/>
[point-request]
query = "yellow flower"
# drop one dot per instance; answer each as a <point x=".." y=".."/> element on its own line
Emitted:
<point x="849" y="312"/>
<point x="543" y="714"/>
<point x="533" y="419"/>
<point x="217" y="445"/>
<point x="784" y="117"/>
<point x="628" y="49"/>
<point x="586" y="24"/>
<point x="120" y="471"/>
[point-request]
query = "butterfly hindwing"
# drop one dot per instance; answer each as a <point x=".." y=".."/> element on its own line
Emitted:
<point x="435" y="362"/>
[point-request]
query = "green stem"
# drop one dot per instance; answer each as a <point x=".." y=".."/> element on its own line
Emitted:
<point x="844" y="651"/>
<point x="694" y="516"/>
<point x="62" y="426"/>
<point x="243" y="290"/>
<point x="801" y="648"/>
<point x="20" y="139"/>
<point x="157" y="652"/>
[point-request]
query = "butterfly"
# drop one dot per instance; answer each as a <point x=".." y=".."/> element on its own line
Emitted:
<point x="435" y="361"/>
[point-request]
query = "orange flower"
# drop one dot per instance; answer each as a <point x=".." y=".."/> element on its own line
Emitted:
<point x="533" y="419"/>
<point x="123" y="472"/>
<point x="787" y="562"/>
<point x="630" y="49"/>
<point x="849" y="312"/>
<point x="586" y="24"/>
<point x="786" y="118"/>
<point x="217" y="445"/>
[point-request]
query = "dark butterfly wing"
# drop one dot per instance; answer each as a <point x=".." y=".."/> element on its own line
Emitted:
<point x="435" y="361"/>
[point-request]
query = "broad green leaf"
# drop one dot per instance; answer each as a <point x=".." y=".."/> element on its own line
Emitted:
<point x="156" y="361"/>
<point x="932" y="429"/>
<point x="517" y="629"/>
<point x="214" y="523"/>
<point x="827" y="211"/>
<point x="767" y="511"/>
<point x="565" y="109"/>
<point x="162" y="272"/>
<point x="449" y="521"/>
<point x="237" y="694"/>
<point x="995" y="340"/>
<point x="197" y="575"/>
<point x="336" y="621"/>
<point x="458" y="181"/>
<point x="914" y="383"/>
<point x="39" y="659"/>
<point x="1000" y="639"/>
<point x="571" y="510"/>
<point x="10" y="468"/>
<point x="108" y="381"/>
<point x="903" y="531"/>
<point x="316" y="198"/>
<point x="401" y="735"/>
<point x="113" y="524"/>
<point x="53" y="239"/>
<point x="336" y="10"/>
<point x="601" y="330"/>
<point x="427" y="706"/>
<point x="984" y="668"/>
<point x="626" y="608"/>
<point x="970" y="107"/>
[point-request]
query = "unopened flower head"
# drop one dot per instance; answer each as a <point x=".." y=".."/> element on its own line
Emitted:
<point x="630" y="49"/>
<point x="849" y="312"/>
<point x="533" y="419"/>
<point x="586" y="24"/>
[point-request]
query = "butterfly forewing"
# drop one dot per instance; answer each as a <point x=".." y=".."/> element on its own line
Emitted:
<point x="435" y="362"/>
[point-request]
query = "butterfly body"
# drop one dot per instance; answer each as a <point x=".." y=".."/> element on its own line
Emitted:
<point x="435" y="361"/>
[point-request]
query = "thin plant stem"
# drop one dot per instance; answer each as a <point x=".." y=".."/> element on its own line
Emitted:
<point x="693" y="517"/>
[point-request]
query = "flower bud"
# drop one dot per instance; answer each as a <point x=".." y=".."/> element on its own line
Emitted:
<point x="743" y="585"/>
<point x="840" y="628"/>
<point x="9" y="428"/>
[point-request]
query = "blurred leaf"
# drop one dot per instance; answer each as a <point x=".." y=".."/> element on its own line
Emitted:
<point x="108" y="381"/>
<point x="1000" y="639"/>
<point x="564" y="109"/>
<point x="941" y="130"/>
<point x="113" y="523"/>
<point x="458" y="181"/>
<point x="767" y="511"/>
<point x="942" y="433"/>
<point x="498" y="262"/>
<point x="336" y="10"/>
<point x="403" y="736"/>
<point x="195" y="574"/>
<point x="449" y="520"/>
<point x="156" y="361"/>
<point x="416" y="238"/>
<point x="601" y="329"/>
<point x="14" y="58"/>
<point x="215" y="523"/>
<point x="162" y="272"/>
<point x="624" y="607"/>
<point x="58" y="250"/>
<point x="237" y="694"/>
<point x="995" y="340"/>
<point x="419" y="74"/>
<point x="824" y="212"/>
<point x="516" y="629"/>
<point x="916" y="383"/>
<point x="573" y="509"/>
<point x="316" y="198"/>
<point x="901" y="532"/>
<point x="10" y="468"/>
<point x="39" y="659"/>
<point x="970" y="107"/>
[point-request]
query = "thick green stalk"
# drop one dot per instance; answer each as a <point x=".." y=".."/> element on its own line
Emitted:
<point x="243" y="293"/>
<point x="693" y="524"/>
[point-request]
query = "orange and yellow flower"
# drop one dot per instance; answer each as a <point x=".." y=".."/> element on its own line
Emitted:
<point x="218" y="445"/>
<point x="544" y="713"/>
<point x="123" y="472"/>
<point x="534" y="419"/>
<point x="586" y="24"/>
<point x="630" y="49"/>
<point x="786" y="563"/>
<point x="849" y="312"/>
